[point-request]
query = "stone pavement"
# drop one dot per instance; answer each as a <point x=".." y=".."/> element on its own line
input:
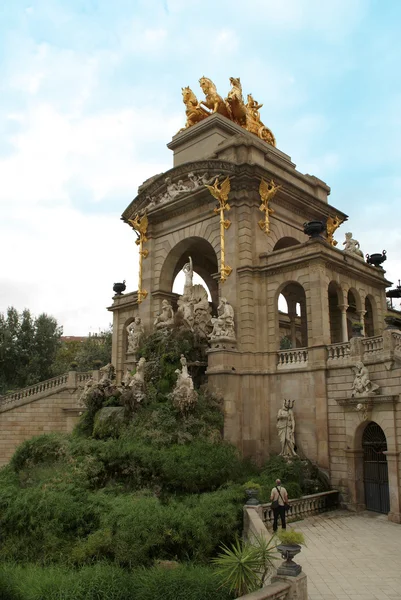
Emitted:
<point x="351" y="556"/>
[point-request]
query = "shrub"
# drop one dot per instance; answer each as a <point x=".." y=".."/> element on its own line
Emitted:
<point x="47" y="448"/>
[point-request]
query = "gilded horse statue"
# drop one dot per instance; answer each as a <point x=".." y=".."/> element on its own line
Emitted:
<point x="194" y="112"/>
<point x="235" y="102"/>
<point x="213" y="101"/>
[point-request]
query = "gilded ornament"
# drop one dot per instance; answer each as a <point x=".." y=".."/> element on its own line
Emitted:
<point x="140" y="225"/>
<point x="267" y="191"/>
<point x="220" y="192"/>
<point x="232" y="107"/>
<point x="332" y="224"/>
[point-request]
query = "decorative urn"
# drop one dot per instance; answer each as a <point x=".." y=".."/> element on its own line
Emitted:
<point x="119" y="288"/>
<point x="314" y="229"/>
<point x="376" y="259"/>
<point x="289" y="567"/>
<point x="252" y="497"/>
<point x="357" y="329"/>
<point x="392" y="322"/>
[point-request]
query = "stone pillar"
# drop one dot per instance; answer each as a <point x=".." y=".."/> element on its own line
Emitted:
<point x="299" y="586"/>
<point x="394" y="486"/>
<point x="356" y="488"/>
<point x="72" y="379"/>
<point x="344" y="327"/>
<point x="293" y="332"/>
<point x="317" y="300"/>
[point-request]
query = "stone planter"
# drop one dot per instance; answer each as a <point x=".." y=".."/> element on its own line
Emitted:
<point x="376" y="259"/>
<point x="119" y="288"/>
<point x="252" y="497"/>
<point x="314" y="229"/>
<point x="289" y="567"/>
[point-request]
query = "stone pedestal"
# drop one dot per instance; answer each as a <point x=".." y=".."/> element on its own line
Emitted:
<point x="299" y="586"/>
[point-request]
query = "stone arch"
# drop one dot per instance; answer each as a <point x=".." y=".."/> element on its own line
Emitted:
<point x="294" y="293"/>
<point x="204" y="259"/>
<point x="285" y="242"/>
<point x="336" y="299"/>
<point x="280" y="231"/>
<point x="370" y="319"/>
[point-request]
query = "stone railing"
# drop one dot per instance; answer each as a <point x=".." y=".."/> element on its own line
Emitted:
<point x="305" y="506"/>
<point x="71" y="379"/>
<point x="338" y="351"/>
<point x="372" y="345"/>
<point x="298" y="357"/>
<point x="280" y="590"/>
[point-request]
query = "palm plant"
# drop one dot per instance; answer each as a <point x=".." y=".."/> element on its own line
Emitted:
<point x="243" y="566"/>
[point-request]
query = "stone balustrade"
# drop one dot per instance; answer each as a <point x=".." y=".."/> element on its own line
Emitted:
<point x="279" y="590"/>
<point x="297" y="357"/>
<point x="67" y="380"/>
<point x="305" y="506"/>
<point x="338" y="351"/>
<point x="372" y="345"/>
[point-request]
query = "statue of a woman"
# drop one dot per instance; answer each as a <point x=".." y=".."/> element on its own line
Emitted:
<point x="286" y="429"/>
<point x="189" y="274"/>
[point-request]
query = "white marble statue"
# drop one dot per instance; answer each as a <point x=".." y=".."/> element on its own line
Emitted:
<point x="184" y="396"/>
<point x="352" y="246"/>
<point x="286" y="429"/>
<point x="135" y="332"/>
<point x="137" y="383"/>
<point x="173" y="190"/>
<point x="223" y="324"/>
<point x="193" y="306"/>
<point x="189" y="276"/>
<point x="362" y="386"/>
<point x="108" y="374"/>
<point x="199" y="180"/>
<point x="84" y="395"/>
<point x="165" y="319"/>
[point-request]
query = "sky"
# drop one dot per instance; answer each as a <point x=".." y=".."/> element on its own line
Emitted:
<point x="91" y="94"/>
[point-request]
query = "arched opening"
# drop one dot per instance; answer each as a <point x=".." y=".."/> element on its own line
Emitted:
<point x="369" y="317"/>
<point x="291" y="308"/>
<point x="353" y="310"/>
<point x="375" y="470"/>
<point x="335" y="315"/>
<point x="285" y="242"/>
<point x="204" y="261"/>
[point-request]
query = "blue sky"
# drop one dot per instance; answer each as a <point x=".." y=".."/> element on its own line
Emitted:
<point x="91" y="95"/>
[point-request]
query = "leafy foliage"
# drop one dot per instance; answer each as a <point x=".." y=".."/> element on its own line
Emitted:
<point x="107" y="582"/>
<point x="86" y="355"/>
<point x="291" y="536"/>
<point x="28" y="348"/>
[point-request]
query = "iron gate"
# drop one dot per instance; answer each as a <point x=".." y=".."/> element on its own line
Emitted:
<point x="375" y="471"/>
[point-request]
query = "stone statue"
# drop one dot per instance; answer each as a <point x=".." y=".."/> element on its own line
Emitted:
<point x="223" y="324"/>
<point x="184" y="396"/>
<point x="165" y="319"/>
<point x="84" y="395"/>
<point x="108" y="374"/>
<point x="137" y="383"/>
<point x="213" y="101"/>
<point x="135" y="332"/>
<point x="286" y="429"/>
<point x="352" y="246"/>
<point x="198" y="181"/>
<point x="362" y="386"/>
<point x="189" y="275"/>
<point x="126" y="380"/>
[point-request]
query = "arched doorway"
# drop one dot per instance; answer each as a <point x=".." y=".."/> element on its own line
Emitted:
<point x="375" y="470"/>
<point x="292" y="324"/>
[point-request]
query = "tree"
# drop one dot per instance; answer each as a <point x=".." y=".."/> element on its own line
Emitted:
<point x="87" y="354"/>
<point x="28" y="347"/>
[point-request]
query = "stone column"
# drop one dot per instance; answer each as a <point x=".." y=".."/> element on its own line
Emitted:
<point x="344" y="327"/>
<point x="293" y="331"/>
<point x="298" y="589"/>
<point x="394" y="485"/>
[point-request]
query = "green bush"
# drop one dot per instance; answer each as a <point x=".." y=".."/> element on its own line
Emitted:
<point x="46" y="448"/>
<point x="106" y="582"/>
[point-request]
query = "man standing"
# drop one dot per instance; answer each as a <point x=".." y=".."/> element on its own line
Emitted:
<point x="279" y="498"/>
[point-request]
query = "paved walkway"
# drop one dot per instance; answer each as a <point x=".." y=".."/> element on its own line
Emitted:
<point x="351" y="556"/>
